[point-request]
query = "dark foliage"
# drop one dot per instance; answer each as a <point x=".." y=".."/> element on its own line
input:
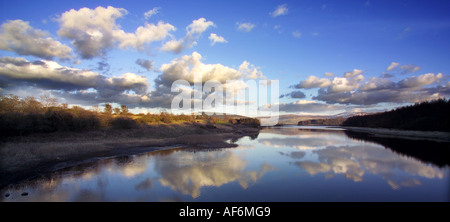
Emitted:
<point x="123" y="123"/>
<point x="426" y="116"/>
<point x="249" y="122"/>
<point x="323" y="122"/>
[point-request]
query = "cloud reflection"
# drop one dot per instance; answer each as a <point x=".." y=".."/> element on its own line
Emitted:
<point x="302" y="139"/>
<point x="188" y="172"/>
<point x="355" y="161"/>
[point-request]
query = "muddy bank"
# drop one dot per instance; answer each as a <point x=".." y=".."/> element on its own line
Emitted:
<point x="403" y="134"/>
<point x="36" y="155"/>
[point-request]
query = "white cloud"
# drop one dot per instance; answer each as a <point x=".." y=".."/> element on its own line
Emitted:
<point x="93" y="31"/>
<point x="249" y="71"/>
<point x="193" y="32"/>
<point x="392" y="66"/>
<point x="18" y="36"/>
<point x="215" y="39"/>
<point x="198" y="26"/>
<point x="353" y="89"/>
<point x="296" y="34"/>
<point x="340" y="85"/>
<point x="355" y="72"/>
<point x="151" y="12"/>
<point x="246" y="27"/>
<point x="188" y="66"/>
<point x="175" y="46"/>
<point x="313" y="82"/>
<point x="75" y="84"/>
<point x="192" y="68"/>
<point x="420" y="81"/>
<point x="280" y="10"/>
<point x="409" y="68"/>
<point x="143" y="35"/>
<point x="405" y="69"/>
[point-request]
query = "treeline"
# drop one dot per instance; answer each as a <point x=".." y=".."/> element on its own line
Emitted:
<point x="322" y="122"/>
<point x="29" y="115"/>
<point x="426" y="116"/>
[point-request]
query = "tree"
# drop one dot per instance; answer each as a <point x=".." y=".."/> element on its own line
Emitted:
<point x="9" y="104"/>
<point x="117" y="111"/>
<point x="31" y="105"/>
<point x="108" y="109"/>
<point x="48" y="101"/>
<point x="124" y="110"/>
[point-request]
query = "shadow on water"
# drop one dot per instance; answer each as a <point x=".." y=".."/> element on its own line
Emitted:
<point x="436" y="153"/>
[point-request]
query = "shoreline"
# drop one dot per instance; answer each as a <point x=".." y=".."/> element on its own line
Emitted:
<point x="34" y="156"/>
<point x="436" y="136"/>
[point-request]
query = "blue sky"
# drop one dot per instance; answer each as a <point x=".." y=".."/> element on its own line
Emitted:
<point x="329" y="56"/>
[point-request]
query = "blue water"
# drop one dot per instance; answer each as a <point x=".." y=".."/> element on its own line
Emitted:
<point x="281" y="164"/>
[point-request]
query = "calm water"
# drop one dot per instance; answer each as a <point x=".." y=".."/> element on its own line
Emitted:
<point x="281" y="164"/>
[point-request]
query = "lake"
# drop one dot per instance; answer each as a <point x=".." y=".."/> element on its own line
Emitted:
<point x="280" y="164"/>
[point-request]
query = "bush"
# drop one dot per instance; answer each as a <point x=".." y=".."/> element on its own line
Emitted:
<point x="123" y="123"/>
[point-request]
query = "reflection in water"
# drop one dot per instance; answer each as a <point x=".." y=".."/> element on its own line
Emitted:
<point x="437" y="153"/>
<point x="182" y="171"/>
<point x="354" y="161"/>
<point x="280" y="164"/>
<point x="188" y="172"/>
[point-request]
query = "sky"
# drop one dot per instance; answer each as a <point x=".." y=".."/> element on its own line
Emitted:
<point x="329" y="56"/>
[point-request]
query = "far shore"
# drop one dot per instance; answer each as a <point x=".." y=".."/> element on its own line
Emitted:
<point x="437" y="136"/>
<point x="38" y="154"/>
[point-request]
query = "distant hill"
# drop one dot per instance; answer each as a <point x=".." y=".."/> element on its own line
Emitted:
<point x="426" y="116"/>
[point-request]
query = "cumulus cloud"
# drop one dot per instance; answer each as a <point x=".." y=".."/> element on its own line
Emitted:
<point x="175" y="46"/>
<point x="143" y="35"/>
<point x="198" y="26"/>
<point x="280" y="10"/>
<point x="18" y="36"/>
<point x="308" y="106"/>
<point x="392" y="66"/>
<point x="342" y="84"/>
<point x="353" y="73"/>
<point x="193" y="32"/>
<point x="420" y="81"/>
<point x="145" y="63"/>
<point x="404" y="69"/>
<point x="409" y="68"/>
<point x="352" y="88"/>
<point x="249" y="71"/>
<point x="381" y="90"/>
<point x="294" y="94"/>
<point x="245" y="27"/>
<point x="313" y="82"/>
<point x="94" y="31"/>
<point x="186" y="67"/>
<point x="192" y="68"/>
<point x="151" y="12"/>
<point x="74" y="84"/>
<point x="214" y="38"/>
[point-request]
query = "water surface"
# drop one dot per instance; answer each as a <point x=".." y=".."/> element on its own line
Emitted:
<point x="281" y="164"/>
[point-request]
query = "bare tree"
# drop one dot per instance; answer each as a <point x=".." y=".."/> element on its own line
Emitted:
<point x="48" y="101"/>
